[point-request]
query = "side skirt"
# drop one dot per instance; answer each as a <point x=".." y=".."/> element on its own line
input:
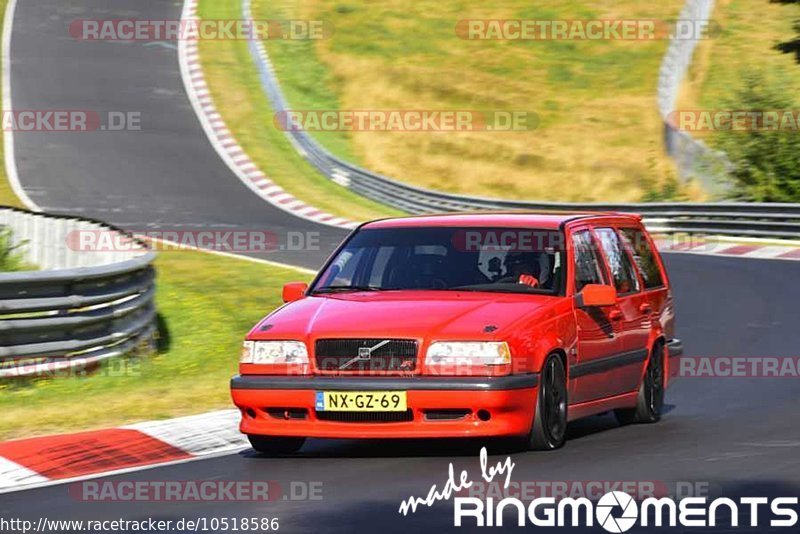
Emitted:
<point x="585" y="409"/>
<point x="609" y="363"/>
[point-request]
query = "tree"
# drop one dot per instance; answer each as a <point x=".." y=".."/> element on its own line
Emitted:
<point x="766" y="161"/>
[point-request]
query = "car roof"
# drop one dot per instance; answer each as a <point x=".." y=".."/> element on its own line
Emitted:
<point x="549" y="220"/>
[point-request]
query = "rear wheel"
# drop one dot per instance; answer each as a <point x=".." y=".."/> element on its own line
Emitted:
<point x="275" y="445"/>
<point x="549" y="429"/>
<point x="651" y="393"/>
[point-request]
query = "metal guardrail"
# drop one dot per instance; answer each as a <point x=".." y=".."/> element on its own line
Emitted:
<point x="693" y="158"/>
<point x="83" y="306"/>
<point x="722" y="218"/>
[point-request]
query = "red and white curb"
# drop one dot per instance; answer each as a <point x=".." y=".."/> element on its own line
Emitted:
<point x="734" y="248"/>
<point x="224" y="142"/>
<point x="43" y="461"/>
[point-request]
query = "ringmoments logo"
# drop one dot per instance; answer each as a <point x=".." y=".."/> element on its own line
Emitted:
<point x="615" y="511"/>
<point x="616" y="500"/>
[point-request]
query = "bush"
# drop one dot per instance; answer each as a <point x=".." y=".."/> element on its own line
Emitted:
<point x="668" y="189"/>
<point x="766" y="163"/>
<point x="11" y="258"/>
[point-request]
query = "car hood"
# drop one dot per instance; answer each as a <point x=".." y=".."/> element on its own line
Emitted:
<point x="402" y="314"/>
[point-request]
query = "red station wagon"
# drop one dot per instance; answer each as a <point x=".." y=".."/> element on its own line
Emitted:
<point x="464" y="325"/>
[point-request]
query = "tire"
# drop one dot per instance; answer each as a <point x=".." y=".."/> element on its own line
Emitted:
<point x="549" y="428"/>
<point x="650" y="400"/>
<point x="275" y="445"/>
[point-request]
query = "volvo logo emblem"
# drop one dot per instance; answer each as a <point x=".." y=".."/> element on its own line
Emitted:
<point x="364" y="354"/>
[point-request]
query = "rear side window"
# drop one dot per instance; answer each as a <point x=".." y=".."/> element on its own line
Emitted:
<point x="625" y="279"/>
<point x="644" y="257"/>
<point x="587" y="264"/>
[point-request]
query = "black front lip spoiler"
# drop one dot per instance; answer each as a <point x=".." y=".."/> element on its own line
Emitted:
<point x="361" y="383"/>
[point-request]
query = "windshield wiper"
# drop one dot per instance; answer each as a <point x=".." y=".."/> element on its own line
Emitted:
<point x="346" y="289"/>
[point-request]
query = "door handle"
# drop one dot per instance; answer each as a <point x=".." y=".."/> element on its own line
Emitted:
<point x="615" y="315"/>
<point x="646" y="308"/>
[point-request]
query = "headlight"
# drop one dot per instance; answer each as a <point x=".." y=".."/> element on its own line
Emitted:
<point x="247" y="352"/>
<point x="468" y="353"/>
<point x="274" y="352"/>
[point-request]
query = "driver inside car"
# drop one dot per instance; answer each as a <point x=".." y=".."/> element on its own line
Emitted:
<point x="521" y="268"/>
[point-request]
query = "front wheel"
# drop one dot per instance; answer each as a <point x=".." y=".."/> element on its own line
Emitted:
<point x="275" y="445"/>
<point x="549" y="429"/>
<point x="650" y="400"/>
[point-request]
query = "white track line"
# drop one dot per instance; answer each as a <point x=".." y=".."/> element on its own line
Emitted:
<point x="10" y="156"/>
<point x="8" y="134"/>
<point x="232" y="255"/>
<point x="225" y="144"/>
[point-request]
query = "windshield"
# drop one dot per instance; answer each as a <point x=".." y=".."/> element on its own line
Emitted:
<point x="518" y="260"/>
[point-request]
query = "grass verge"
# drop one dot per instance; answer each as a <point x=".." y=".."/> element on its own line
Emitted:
<point x="208" y="304"/>
<point x="236" y="89"/>
<point x="751" y="31"/>
<point x="753" y="65"/>
<point x="599" y="135"/>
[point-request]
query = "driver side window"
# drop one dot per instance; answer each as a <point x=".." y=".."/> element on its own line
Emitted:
<point x="588" y="269"/>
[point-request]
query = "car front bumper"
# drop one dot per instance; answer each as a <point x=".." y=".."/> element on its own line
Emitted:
<point x="496" y="406"/>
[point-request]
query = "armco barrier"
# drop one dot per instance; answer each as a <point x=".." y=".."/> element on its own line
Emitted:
<point x="80" y="307"/>
<point x="722" y="218"/>
<point x="693" y="158"/>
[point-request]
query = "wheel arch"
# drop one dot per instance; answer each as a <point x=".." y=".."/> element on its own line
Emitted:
<point x="661" y="338"/>
<point x="562" y="355"/>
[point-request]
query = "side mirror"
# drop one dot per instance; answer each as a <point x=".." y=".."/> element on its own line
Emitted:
<point x="596" y="295"/>
<point x="294" y="291"/>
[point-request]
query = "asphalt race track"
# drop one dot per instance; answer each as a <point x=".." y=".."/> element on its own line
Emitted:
<point x="166" y="176"/>
<point x="739" y="435"/>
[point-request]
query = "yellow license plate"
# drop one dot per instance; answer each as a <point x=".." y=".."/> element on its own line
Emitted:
<point x="361" y="401"/>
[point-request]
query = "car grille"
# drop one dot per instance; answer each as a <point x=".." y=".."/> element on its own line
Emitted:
<point x="341" y="355"/>
<point x="367" y="417"/>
